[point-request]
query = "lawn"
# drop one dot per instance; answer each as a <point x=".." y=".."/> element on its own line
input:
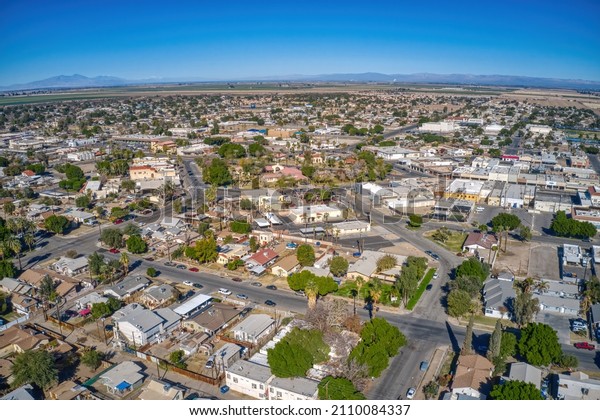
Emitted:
<point x="413" y="300"/>
<point x="454" y="242"/>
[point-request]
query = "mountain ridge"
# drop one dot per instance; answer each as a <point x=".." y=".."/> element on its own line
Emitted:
<point x="79" y="81"/>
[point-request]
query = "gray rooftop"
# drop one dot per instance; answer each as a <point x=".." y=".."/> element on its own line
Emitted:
<point x="526" y="373"/>
<point x="126" y="371"/>
<point x="254" y="324"/>
<point x="160" y="292"/>
<point x="497" y="292"/>
<point x="302" y="386"/>
<point x="251" y="371"/>
<point x="23" y="393"/>
<point x="128" y="285"/>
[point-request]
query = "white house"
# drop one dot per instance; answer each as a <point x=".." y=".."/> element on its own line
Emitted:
<point x="141" y="326"/>
<point x="293" y="389"/>
<point x="70" y="266"/>
<point x="249" y="378"/>
<point x="254" y="328"/>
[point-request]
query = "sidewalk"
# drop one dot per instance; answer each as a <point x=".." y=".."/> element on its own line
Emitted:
<point x="435" y="364"/>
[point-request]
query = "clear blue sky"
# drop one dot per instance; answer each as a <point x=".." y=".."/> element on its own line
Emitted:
<point x="230" y="39"/>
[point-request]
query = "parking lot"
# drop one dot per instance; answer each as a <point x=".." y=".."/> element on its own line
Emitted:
<point x="559" y="322"/>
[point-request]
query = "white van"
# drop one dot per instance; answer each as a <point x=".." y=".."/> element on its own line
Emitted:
<point x="479" y="209"/>
<point x="225" y="292"/>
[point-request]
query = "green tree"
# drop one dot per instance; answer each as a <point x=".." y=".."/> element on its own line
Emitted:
<point x="306" y="255"/>
<point x="408" y="282"/>
<point x="338" y="266"/>
<point x="515" y="390"/>
<point x="431" y="390"/>
<point x="379" y="341"/>
<point x="56" y="224"/>
<point x="507" y="220"/>
<point x="204" y="251"/>
<point x="151" y="272"/>
<point x="92" y="358"/>
<point x="231" y="151"/>
<point x="112" y="237"/>
<point x="95" y="263"/>
<point x="539" y="345"/>
<point x="83" y="201"/>
<point x="525" y="233"/>
<point x="467" y="347"/>
<point x="217" y="173"/>
<point x="525" y="307"/>
<point x="495" y="342"/>
<point x="331" y="388"/>
<point x="470" y="284"/>
<point x="459" y="303"/>
<point x="176" y="358"/>
<point x="473" y="267"/>
<point x="386" y="262"/>
<point x="47" y="289"/>
<point x="136" y="245"/>
<point x="9" y="208"/>
<point x="34" y="366"/>
<point x="415" y="220"/>
<point x="508" y="345"/>
<point x="240" y="227"/>
<point x="253" y="244"/>
<point x="7" y="268"/>
<point x="297" y="352"/>
<point x="13" y="244"/>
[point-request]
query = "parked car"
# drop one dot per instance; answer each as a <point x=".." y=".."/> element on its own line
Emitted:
<point x="210" y="362"/>
<point x="269" y="302"/>
<point x="291" y="245"/>
<point x="149" y="259"/>
<point x="301" y="293"/>
<point x="429" y="286"/>
<point x="585" y="345"/>
<point x="70" y="313"/>
<point x="236" y="279"/>
<point x="194" y="269"/>
<point x="256" y="283"/>
<point x="114" y="251"/>
<point x="197" y="285"/>
<point x="271" y="287"/>
<point x="224" y="389"/>
<point x="225" y="292"/>
<point x="118" y="221"/>
<point x="435" y="256"/>
<point x="241" y="296"/>
<point x="181" y="266"/>
<point x="411" y="393"/>
<point x="188" y="283"/>
<point x="424" y="365"/>
<point x="170" y="264"/>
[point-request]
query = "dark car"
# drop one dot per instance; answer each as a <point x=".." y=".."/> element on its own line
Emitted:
<point x="271" y="287"/>
<point x="269" y="302"/>
<point x="114" y="251"/>
<point x="149" y="259"/>
<point x="70" y="313"/>
<point x="197" y="285"/>
<point x="256" y="283"/>
<point x="170" y="264"/>
<point x="429" y="287"/>
<point x="194" y="269"/>
<point x="118" y="221"/>
<point x="236" y="279"/>
<point x="181" y="266"/>
<point x="189" y="294"/>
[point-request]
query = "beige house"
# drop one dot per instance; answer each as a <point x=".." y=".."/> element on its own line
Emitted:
<point x="286" y="266"/>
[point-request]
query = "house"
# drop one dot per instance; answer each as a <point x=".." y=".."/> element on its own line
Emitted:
<point x="193" y="305"/>
<point x="286" y="266"/>
<point x="213" y="319"/>
<point x="571" y="254"/>
<point x="23" y="304"/>
<point x="172" y="222"/>
<point x="526" y="373"/>
<point x="472" y="376"/>
<point x="80" y="217"/>
<point x="128" y="286"/>
<point x="17" y="339"/>
<point x="481" y="244"/>
<point x="315" y="214"/>
<point x="228" y="354"/>
<point x="140" y="326"/>
<point x="71" y="266"/>
<point x="231" y="252"/>
<point x="10" y="285"/>
<point x="293" y="389"/>
<point x="162" y="390"/>
<point x="122" y="378"/>
<point x="595" y="315"/>
<point x="562" y="305"/>
<point x="68" y="391"/>
<point x="89" y="300"/>
<point x="248" y="378"/>
<point x="23" y="393"/>
<point x="263" y="257"/>
<point x="254" y="328"/>
<point x="497" y="297"/>
<point x="365" y="266"/>
<point x="158" y="295"/>
<point x="576" y="386"/>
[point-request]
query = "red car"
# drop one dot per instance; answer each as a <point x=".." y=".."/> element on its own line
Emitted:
<point x="118" y="221"/>
<point x="584" y="345"/>
<point x="114" y="251"/>
<point x="194" y="269"/>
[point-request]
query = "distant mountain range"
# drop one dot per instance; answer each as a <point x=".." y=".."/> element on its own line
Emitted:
<point x="77" y="81"/>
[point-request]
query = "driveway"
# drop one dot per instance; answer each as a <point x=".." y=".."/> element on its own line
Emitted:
<point x="560" y="322"/>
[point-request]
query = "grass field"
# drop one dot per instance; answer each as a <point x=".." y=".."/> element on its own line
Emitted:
<point x="413" y="300"/>
<point x="454" y="242"/>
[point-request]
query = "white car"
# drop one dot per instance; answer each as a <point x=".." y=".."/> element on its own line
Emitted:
<point x="411" y="393"/>
<point x="188" y="283"/>
<point x="435" y="276"/>
<point x="225" y="292"/>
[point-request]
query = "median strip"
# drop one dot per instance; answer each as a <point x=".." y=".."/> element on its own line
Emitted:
<point x="413" y="300"/>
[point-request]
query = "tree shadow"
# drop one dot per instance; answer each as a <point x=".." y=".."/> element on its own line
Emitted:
<point x="453" y="341"/>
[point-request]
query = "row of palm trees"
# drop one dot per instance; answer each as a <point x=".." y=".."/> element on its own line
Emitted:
<point x="19" y="227"/>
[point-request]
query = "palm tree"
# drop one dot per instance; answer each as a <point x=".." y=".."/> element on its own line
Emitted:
<point x="14" y="244"/>
<point x="526" y="285"/>
<point x="124" y="260"/>
<point x="29" y="240"/>
<point x="360" y="282"/>
<point x="312" y="291"/>
<point x="542" y="286"/>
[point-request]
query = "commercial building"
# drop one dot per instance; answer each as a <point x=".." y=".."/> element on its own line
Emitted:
<point x="248" y="378"/>
<point x="315" y="214"/>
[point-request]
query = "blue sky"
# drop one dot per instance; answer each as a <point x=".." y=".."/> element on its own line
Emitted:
<point x="229" y="39"/>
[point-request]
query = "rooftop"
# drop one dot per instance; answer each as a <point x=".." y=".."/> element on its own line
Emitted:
<point x="251" y="371"/>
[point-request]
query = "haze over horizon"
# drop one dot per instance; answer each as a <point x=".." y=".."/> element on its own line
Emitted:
<point x="238" y="40"/>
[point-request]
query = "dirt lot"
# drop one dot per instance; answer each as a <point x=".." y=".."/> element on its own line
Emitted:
<point x="544" y="262"/>
<point x="515" y="260"/>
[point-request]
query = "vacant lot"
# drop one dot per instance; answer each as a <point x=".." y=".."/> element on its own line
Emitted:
<point x="453" y="243"/>
<point x="515" y="260"/>
<point x="544" y="262"/>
